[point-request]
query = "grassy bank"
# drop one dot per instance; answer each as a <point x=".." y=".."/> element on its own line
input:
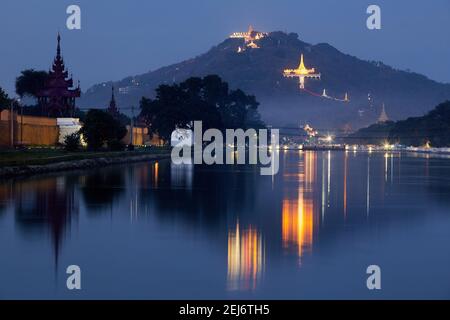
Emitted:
<point x="43" y="156"/>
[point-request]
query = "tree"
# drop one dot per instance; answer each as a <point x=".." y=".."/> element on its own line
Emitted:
<point x="205" y="99"/>
<point x="236" y="112"/>
<point x="4" y="100"/>
<point x="100" y="129"/>
<point x="30" y="82"/>
<point x="433" y="128"/>
<point x="72" y="142"/>
<point x="377" y="134"/>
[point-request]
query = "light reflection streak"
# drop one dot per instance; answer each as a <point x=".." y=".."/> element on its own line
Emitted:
<point x="246" y="258"/>
<point x="386" y="156"/>
<point x="298" y="212"/>
<point x="392" y="169"/>
<point x="345" y="184"/>
<point x="323" y="189"/>
<point x="155" y="174"/>
<point x="368" y="186"/>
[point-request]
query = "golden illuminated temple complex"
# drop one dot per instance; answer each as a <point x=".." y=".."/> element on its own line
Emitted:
<point x="301" y="73"/>
<point x="249" y="38"/>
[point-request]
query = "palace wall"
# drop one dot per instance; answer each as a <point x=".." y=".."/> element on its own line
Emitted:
<point x="43" y="131"/>
<point x="28" y="131"/>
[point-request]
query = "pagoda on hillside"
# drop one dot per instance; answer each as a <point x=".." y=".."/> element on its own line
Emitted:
<point x="57" y="98"/>
<point x="112" y="109"/>
<point x="383" y="116"/>
<point x="302" y="73"/>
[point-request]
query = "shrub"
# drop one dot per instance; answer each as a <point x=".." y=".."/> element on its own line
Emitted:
<point x="100" y="129"/>
<point x="72" y="142"/>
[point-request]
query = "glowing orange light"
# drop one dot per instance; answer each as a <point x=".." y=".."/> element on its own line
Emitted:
<point x="245" y="258"/>
<point x="298" y="214"/>
<point x="156" y="174"/>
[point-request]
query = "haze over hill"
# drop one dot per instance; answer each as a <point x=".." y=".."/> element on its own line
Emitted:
<point x="259" y="71"/>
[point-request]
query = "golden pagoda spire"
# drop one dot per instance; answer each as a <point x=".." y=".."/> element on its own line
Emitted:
<point x="301" y="70"/>
<point x="302" y="64"/>
<point x="301" y="73"/>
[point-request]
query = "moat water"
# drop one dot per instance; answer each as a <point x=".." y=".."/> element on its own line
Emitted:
<point x="162" y="231"/>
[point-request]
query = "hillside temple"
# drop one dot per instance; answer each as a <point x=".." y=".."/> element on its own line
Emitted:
<point x="249" y="38"/>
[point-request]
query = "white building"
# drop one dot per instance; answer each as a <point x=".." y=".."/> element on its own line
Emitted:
<point x="67" y="126"/>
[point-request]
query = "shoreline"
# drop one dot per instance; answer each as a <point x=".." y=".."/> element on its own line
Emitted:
<point x="70" y="165"/>
<point x="11" y="171"/>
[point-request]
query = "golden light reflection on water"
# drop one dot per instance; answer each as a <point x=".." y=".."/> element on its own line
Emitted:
<point x="345" y="184"/>
<point x="298" y="211"/>
<point x="297" y="225"/>
<point x="155" y="174"/>
<point x="245" y="258"/>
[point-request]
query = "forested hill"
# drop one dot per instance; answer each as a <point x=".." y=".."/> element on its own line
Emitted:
<point x="259" y="71"/>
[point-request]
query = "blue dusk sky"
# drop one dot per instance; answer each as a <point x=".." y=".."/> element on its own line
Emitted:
<point x="121" y="38"/>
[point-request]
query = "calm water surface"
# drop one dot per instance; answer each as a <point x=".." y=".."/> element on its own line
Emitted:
<point x="162" y="231"/>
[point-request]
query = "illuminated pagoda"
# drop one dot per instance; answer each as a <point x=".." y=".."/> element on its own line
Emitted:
<point x="383" y="116"/>
<point x="346" y="98"/>
<point x="112" y="109"/>
<point x="249" y="37"/>
<point x="301" y="73"/>
<point x="57" y="98"/>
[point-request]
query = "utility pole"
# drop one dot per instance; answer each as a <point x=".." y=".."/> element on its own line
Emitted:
<point x="132" y="127"/>
<point x="21" y="123"/>
<point x="11" y="125"/>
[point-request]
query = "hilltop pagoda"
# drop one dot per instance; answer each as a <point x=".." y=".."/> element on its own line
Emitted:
<point x="57" y="98"/>
<point x="249" y="38"/>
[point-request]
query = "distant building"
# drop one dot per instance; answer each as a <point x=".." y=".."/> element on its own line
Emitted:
<point x="67" y="126"/>
<point x="252" y="45"/>
<point x="383" y="116"/>
<point x="57" y="98"/>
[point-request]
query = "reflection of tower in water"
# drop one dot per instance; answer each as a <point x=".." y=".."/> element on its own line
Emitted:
<point x="298" y="219"/>
<point x="245" y="258"/>
<point x="50" y="201"/>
